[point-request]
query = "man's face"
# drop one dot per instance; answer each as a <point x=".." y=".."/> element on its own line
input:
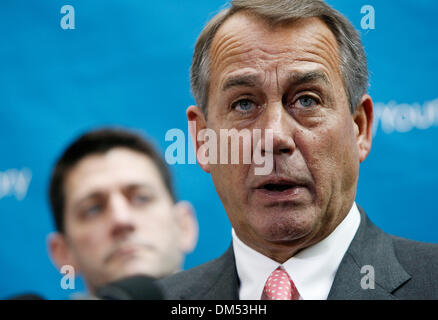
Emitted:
<point x="120" y="219"/>
<point x="286" y="79"/>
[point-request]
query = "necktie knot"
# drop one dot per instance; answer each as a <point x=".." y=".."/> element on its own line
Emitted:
<point x="280" y="286"/>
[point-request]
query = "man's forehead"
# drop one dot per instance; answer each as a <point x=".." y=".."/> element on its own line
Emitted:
<point x="116" y="169"/>
<point x="243" y="32"/>
<point x="257" y="25"/>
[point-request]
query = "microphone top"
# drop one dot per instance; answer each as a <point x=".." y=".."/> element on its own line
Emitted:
<point x="27" y="296"/>
<point x="138" y="287"/>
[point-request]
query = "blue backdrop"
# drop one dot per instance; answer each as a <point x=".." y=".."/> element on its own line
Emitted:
<point x="127" y="63"/>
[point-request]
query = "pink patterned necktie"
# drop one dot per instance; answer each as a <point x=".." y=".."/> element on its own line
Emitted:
<point x="279" y="286"/>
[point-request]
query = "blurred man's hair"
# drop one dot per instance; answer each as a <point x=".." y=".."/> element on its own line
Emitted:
<point x="99" y="142"/>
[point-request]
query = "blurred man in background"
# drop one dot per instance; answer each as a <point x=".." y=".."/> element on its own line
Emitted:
<point x="115" y="210"/>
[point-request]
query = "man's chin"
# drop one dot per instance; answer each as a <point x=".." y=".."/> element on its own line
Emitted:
<point x="281" y="227"/>
<point x="128" y="268"/>
<point x="128" y="274"/>
<point x="284" y="233"/>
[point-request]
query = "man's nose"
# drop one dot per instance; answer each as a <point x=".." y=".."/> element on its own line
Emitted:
<point x="120" y="215"/>
<point x="276" y="118"/>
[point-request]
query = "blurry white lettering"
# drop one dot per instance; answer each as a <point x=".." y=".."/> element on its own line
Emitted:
<point x="367" y="281"/>
<point x="369" y="19"/>
<point x="68" y="281"/>
<point x="68" y="21"/>
<point x="404" y="117"/>
<point x="15" y="182"/>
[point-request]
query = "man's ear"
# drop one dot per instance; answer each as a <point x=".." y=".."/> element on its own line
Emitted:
<point x="197" y="122"/>
<point x="60" y="251"/>
<point x="363" y="121"/>
<point x="188" y="225"/>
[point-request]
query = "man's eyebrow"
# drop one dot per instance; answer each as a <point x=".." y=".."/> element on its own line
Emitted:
<point x="134" y="186"/>
<point x="240" y="81"/>
<point x="297" y="78"/>
<point x="94" y="195"/>
<point x="102" y="193"/>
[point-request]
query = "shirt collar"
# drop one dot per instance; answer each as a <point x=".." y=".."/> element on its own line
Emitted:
<point x="312" y="270"/>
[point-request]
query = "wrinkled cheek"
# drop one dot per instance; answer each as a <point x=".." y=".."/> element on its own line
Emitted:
<point x="334" y="166"/>
<point x="350" y="170"/>
<point x="225" y="179"/>
<point x="230" y="181"/>
<point x="349" y="159"/>
<point x="233" y="158"/>
<point x="323" y="156"/>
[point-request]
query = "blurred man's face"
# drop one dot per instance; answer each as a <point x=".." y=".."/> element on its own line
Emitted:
<point x="120" y="219"/>
<point x="286" y="79"/>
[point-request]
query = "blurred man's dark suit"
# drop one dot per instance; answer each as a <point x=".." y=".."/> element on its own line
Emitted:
<point x="404" y="269"/>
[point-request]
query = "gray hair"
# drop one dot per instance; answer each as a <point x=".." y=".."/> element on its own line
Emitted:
<point x="352" y="59"/>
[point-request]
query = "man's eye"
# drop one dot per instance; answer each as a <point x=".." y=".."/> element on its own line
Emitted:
<point x="307" y="102"/>
<point x="92" y="210"/>
<point x="244" y="105"/>
<point x="140" y="199"/>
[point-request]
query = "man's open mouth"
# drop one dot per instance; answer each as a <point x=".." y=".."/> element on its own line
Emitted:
<point x="280" y="189"/>
<point x="277" y="187"/>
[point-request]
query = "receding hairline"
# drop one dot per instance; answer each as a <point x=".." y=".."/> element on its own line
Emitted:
<point x="272" y="21"/>
<point x="272" y="24"/>
<point x="249" y="80"/>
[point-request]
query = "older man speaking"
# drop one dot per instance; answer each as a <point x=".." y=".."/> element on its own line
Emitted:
<point x="297" y="68"/>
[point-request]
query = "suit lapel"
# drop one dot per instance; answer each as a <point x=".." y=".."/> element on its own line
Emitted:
<point x="370" y="247"/>
<point x="227" y="282"/>
<point x="220" y="281"/>
<point x="371" y="250"/>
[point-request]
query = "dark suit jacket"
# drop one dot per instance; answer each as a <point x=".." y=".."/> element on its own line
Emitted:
<point x="404" y="269"/>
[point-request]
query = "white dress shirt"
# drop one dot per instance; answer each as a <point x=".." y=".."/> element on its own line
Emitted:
<point x="312" y="270"/>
